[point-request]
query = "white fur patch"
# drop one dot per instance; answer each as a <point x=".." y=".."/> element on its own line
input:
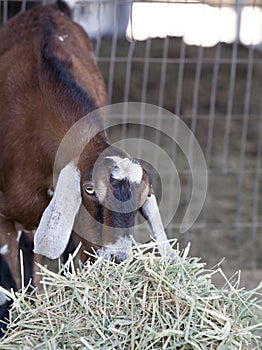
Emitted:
<point x="151" y="212"/>
<point x="125" y="168"/>
<point x="3" y="298"/>
<point x="71" y="3"/>
<point x="19" y="234"/>
<point x="56" y="224"/>
<point x="50" y="192"/>
<point x="4" y="249"/>
<point x="62" y="37"/>
<point x="119" y="249"/>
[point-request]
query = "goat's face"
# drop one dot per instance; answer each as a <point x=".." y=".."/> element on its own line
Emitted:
<point x="98" y="199"/>
<point x="113" y="190"/>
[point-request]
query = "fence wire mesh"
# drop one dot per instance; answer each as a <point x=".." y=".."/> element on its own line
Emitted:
<point x="217" y="92"/>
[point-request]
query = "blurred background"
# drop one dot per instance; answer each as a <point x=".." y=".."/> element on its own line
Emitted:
<point x="201" y="60"/>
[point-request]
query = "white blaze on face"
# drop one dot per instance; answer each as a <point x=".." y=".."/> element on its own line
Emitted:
<point x="125" y="168"/>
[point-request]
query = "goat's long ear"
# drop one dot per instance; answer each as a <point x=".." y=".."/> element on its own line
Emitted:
<point x="151" y="213"/>
<point x="57" y="221"/>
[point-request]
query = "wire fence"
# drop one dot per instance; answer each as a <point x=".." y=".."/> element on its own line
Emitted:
<point x="217" y="92"/>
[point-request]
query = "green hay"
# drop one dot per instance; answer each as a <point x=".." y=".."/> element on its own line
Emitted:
<point x="146" y="302"/>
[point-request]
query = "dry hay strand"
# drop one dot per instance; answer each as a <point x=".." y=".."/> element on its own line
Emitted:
<point x="146" y="302"/>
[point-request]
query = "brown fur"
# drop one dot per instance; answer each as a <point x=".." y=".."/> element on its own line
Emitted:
<point x="37" y="108"/>
<point x="49" y="80"/>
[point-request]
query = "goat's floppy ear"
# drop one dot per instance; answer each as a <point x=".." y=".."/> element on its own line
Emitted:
<point x="151" y="213"/>
<point x="56" y="224"/>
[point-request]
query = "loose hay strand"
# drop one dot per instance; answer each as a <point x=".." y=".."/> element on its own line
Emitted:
<point x="146" y="302"/>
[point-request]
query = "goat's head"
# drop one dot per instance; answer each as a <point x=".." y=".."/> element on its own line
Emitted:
<point x="113" y="190"/>
<point x="98" y="198"/>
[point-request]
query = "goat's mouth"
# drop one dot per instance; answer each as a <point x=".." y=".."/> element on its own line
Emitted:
<point x="116" y="257"/>
<point x="118" y="251"/>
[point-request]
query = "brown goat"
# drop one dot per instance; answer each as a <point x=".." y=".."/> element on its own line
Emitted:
<point x="49" y="81"/>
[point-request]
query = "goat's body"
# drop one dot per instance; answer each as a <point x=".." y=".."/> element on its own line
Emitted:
<point x="57" y="88"/>
<point x="48" y="82"/>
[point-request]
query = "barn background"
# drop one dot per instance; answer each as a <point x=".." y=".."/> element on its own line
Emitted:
<point x="203" y="62"/>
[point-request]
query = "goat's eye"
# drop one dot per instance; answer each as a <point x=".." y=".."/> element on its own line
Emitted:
<point x="89" y="189"/>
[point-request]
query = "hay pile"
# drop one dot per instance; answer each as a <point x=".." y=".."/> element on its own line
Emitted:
<point x="146" y="302"/>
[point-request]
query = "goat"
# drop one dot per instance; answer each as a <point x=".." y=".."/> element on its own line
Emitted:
<point x="49" y="81"/>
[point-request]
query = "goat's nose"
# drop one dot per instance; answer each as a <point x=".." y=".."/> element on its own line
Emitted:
<point x="121" y="190"/>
